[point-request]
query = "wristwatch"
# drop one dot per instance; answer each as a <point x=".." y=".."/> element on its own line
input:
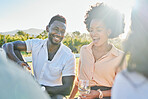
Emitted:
<point x="101" y="94"/>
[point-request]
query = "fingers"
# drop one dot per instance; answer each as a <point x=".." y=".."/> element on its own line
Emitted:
<point x="29" y="68"/>
<point x="84" y="97"/>
<point x="22" y="63"/>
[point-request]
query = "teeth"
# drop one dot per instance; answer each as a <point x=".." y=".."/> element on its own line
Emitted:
<point x="57" y="38"/>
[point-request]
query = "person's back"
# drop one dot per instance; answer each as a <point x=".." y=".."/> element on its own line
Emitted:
<point x="133" y="85"/>
<point x="15" y="83"/>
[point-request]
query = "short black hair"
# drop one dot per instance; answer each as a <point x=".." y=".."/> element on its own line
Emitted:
<point x="111" y="18"/>
<point x="57" y="18"/>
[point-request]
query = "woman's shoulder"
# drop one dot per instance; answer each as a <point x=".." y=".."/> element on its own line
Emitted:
<point x="88" y="46"/>
<point x="131" y="77"/>
<point x="84" y="47"/>
<point x="120" y="74"/>
<point x="117" y="52"/>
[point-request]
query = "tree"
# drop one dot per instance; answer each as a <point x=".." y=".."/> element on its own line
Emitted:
<point x="21" y="33"/>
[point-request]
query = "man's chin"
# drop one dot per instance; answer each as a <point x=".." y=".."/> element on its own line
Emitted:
<point x="55" y="43"/>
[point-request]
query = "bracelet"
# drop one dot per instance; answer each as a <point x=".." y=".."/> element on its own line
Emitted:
<point x="101" y="94"/>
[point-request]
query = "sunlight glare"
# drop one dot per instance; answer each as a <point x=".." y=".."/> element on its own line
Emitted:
<point x="124" y="6"/>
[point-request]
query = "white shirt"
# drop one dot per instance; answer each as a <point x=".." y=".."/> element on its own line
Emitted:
<point x="47" y="72"/>
<point x="130" y="85"/>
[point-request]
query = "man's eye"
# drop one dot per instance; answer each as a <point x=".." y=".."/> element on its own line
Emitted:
<point x="56" y="30"/>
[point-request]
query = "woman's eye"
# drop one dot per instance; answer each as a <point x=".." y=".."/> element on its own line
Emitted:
<point x="99" y="30"/>
<point x="90" y="30"/>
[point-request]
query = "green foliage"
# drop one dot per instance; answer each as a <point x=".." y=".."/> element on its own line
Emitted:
<point x="74" y="40"/>
<point x="21" y="33"/>
<point x="117" y="42"/>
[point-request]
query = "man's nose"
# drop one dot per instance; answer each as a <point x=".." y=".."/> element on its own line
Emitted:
<point x="59" y="33"/>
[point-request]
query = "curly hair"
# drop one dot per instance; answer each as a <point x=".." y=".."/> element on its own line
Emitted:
<point x="111" y="17"/>
<point x="57" y="18"/>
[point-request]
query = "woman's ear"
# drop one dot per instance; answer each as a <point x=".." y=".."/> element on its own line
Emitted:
<point x="47" y="28"/>
<point x="109" y="32"/>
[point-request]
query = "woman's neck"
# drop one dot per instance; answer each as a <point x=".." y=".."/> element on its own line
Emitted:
<point x="106" y="47"/>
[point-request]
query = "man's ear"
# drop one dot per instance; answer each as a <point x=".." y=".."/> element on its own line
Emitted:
<point x="47" y="28"/>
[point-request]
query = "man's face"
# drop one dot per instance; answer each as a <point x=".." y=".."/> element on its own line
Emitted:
<point x="56" y="32"/>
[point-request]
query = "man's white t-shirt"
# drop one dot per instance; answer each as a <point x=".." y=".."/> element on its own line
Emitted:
<point x="47" y="72"/>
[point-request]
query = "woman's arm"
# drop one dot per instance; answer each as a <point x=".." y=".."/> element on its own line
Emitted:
<point x="73" y="92"/>
<point x="95" y="94"/>
<point x="75" y="88"/>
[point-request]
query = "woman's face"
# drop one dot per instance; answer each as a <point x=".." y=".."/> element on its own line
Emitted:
<point x="98" y="32"/>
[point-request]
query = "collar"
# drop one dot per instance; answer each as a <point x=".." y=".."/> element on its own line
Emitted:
<point x="44" y="44"/>
<point x="113" y="50"/>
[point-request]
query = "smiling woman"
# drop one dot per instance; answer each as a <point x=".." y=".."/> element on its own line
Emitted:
<point x="99" y="59"/>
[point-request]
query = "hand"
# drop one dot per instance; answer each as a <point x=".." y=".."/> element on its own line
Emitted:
<point x="22" y="63"/>
<point x="93" y="94"/>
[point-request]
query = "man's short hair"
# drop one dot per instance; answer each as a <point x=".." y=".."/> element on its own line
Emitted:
<point x="57" y="18"/>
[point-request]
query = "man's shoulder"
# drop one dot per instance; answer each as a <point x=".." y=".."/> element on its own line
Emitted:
<point x="35" y="41"/>
<point x="66" y="50"/>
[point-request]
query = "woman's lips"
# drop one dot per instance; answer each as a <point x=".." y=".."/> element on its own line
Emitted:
<point x="96" y="39"/>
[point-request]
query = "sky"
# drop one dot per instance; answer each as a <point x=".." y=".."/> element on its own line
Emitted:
<point x="25" y="14"/>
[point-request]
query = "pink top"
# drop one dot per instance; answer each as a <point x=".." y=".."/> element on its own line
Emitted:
<point x="103" y="71"/>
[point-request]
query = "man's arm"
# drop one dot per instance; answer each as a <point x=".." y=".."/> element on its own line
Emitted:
<point x="13" y="51"/>
<point x="64" y="89"/>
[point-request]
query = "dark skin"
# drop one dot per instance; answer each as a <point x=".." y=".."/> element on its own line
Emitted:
<point x="56" y="34"/>
<point x="64" y="90"/>
<point x="13" y="52"/>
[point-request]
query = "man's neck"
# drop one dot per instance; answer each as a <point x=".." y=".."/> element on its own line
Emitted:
<point x="52" y="47"/>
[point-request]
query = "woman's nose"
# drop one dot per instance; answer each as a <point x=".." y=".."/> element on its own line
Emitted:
<point x="94" y="33"/>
